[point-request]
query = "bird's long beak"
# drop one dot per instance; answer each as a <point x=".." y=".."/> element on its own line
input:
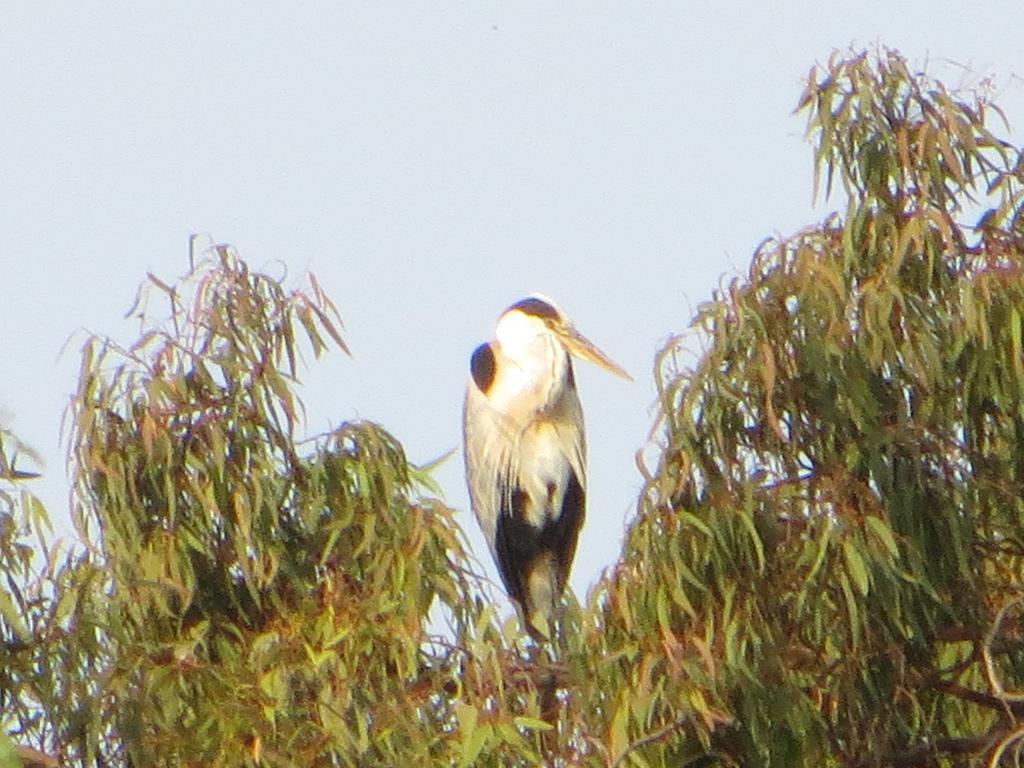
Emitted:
<point x="581" y="346"/>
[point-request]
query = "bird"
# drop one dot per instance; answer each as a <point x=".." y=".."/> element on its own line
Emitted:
<point x="525" y="452"/>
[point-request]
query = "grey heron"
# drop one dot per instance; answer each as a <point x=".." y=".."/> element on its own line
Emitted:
<point x="525" y="452"/>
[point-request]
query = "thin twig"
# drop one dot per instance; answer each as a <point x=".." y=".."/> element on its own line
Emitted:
<point x="651" y="738"/>
<point x="1009" y="698"/>
<point x="1015" y="735"/>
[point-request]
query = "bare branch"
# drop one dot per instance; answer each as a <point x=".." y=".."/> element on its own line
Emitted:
<point x="651" y="738"/>
<point x="978" y="697"/>
<point x="927" y="754"/>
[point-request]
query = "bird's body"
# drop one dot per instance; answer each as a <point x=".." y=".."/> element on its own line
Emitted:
<point x="525" y="453"/>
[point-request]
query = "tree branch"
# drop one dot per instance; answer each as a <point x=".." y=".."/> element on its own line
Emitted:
<point x="33" y="758"/>
<point x="652" y="737"/>
<point x="926" y="754"/>
<point x="1013" y="706"/>
<point x="713" y="719"/>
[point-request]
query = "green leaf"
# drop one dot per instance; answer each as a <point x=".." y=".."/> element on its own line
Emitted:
<point x="532" y="723"/>
<point x="855" y="565"/>
<point x="618" y="738"/>
<point x="884" y="533"/>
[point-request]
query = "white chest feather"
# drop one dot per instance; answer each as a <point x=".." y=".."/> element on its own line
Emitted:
<point x="544" y="471"/>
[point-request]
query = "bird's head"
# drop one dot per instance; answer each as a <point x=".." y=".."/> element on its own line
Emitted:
<point x="537" y="315"/>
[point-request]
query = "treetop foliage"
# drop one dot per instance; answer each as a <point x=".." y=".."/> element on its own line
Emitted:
<point x="241" y="597"/>
<point x="831" y="546"/>
<point x="826" y="566"/>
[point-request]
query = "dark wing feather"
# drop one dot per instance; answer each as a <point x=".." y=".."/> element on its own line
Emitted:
<point x="562" y="533"/>
<point x="518" y="544"/>
<point x="515" y="543"/>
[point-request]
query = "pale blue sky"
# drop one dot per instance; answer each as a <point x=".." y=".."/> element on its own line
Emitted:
<point x="431" y="165"/>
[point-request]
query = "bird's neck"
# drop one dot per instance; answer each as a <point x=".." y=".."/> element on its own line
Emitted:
<point x="536" y="376"/>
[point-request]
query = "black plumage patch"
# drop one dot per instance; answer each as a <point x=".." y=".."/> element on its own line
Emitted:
<point x="536" y="307"/>
<point x="561" y="534"/>
<point x="481" y="365"/>
<point x="518" y="544"/>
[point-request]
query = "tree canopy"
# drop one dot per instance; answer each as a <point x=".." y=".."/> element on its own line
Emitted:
<point x="826" y="567"/>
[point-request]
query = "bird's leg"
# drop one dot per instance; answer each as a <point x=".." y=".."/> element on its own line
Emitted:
<point x="546" y="678"/>
<point x="551" y="675"/>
